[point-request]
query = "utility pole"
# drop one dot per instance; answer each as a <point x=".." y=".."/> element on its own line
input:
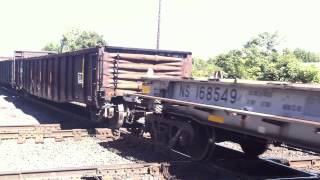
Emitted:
<point x="158" y="32"/>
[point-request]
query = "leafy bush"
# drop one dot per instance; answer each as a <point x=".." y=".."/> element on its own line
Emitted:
<point x="309" y="74"/>
<point x="260" y="60"/>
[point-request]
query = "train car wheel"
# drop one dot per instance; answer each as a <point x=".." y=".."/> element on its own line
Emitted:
<point x="118" y="118"/>
<point x="95" y="114"/>
<point x="202" y="146"/>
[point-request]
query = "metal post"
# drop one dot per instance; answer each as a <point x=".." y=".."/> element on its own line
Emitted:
<point x="158" y="32"/>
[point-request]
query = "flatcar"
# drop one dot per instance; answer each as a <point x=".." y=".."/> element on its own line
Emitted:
<point x="193" y="115"/>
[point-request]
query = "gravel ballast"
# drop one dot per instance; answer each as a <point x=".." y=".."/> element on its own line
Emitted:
<point x="14" y="110"/>
<point x="51" y="154"/>
<point x="10" y="114"/>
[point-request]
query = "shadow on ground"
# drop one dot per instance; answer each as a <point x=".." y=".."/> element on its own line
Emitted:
<point x="139" y="151"/>
<point x="45" y="115"/>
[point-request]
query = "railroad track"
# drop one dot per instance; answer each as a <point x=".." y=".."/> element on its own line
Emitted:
<point x="41" y="131"/>
<point x="121" y="171"/>
<point x="225" y="164"/>
<point x="186" y="170"/>
<point x="303" y="163"/>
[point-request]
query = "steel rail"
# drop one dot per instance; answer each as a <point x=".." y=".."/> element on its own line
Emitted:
<point x="77" y="134"/>
<point x="107" y="172"/>
<point x="302" y="163"/>
<point x="230" y="110"/>
<point x="32" y="127"/>
<point x="41" y="131"/>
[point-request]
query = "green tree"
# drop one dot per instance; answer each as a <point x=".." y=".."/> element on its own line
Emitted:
<point x="310" y="74"/>
<point x="288" y="67"/>
<point x="306" y="56"/>
<point x="76" y="39"/>
<point x="203" y="68"/>
<point x="256" y="61"/>
<point x="267" y="42"/>
<point x="232" y="64"/>
<point x="52" y="47"/>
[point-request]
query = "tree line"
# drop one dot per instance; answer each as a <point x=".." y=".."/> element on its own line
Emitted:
<point x="258" y="59"/>
<point x="261" y="59"/>
<point x="75" y="39"/>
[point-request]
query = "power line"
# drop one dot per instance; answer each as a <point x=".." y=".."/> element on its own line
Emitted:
<point x="158" y="32"/>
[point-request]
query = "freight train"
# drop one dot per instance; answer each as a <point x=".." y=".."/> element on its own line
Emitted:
<point x="95" y="77"/>
<point x="152" y="91"/>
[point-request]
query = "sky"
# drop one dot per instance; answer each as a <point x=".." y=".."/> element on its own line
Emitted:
<point x="204" y="27"/>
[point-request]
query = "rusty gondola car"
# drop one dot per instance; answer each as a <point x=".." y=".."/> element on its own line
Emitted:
<point x="6" y="71"/>
<point x="7" y="68"/>
<point x="97" y="77"/>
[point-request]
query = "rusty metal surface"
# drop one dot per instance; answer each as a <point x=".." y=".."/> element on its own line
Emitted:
<point x="134" y="171"/>
<point x="36" y="127"/>
<point x="62" y="77"/>
<point x="303" y="163"/>
<point x="91" y="75"/>
<point x="39" y="132"/>
<point x="18" y="54"/>
<point x="6" y="72"/>
<point x="123" y="68"/>
<point x="104" y="133"/>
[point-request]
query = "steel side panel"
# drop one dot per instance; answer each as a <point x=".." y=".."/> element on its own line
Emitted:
<point x="123" y="68"/>
<point x="55" y="79"/>
<point x="6" y="72"/>
<point x="288" y="103"/>
<point x="71" y="76"/>
<point x="78" y="78"/>
<point x="294" y="134"/>
<point x="62" y="80"/>
<point x="50" y="80"/>
<point x="60" y="77"/>
<point x="301" y="104"/>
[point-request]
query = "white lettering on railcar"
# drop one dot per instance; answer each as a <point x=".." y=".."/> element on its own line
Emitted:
<point x="80" y="78"/>
<point x="209" y="93"/>
<point x="260" y="93"/>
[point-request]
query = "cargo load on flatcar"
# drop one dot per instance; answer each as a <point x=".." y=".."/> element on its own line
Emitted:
<point x="97" y="77"/>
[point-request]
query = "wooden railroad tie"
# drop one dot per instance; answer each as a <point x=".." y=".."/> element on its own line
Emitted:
<point x="41" y="131"/>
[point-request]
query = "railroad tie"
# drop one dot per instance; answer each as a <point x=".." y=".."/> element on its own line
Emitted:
<point x="58" y="137"/>
<point x="77" y="135"/>
<point x="40" y="132"/>
<point x="103" y="133"/>
<point x="21" y="137"/>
